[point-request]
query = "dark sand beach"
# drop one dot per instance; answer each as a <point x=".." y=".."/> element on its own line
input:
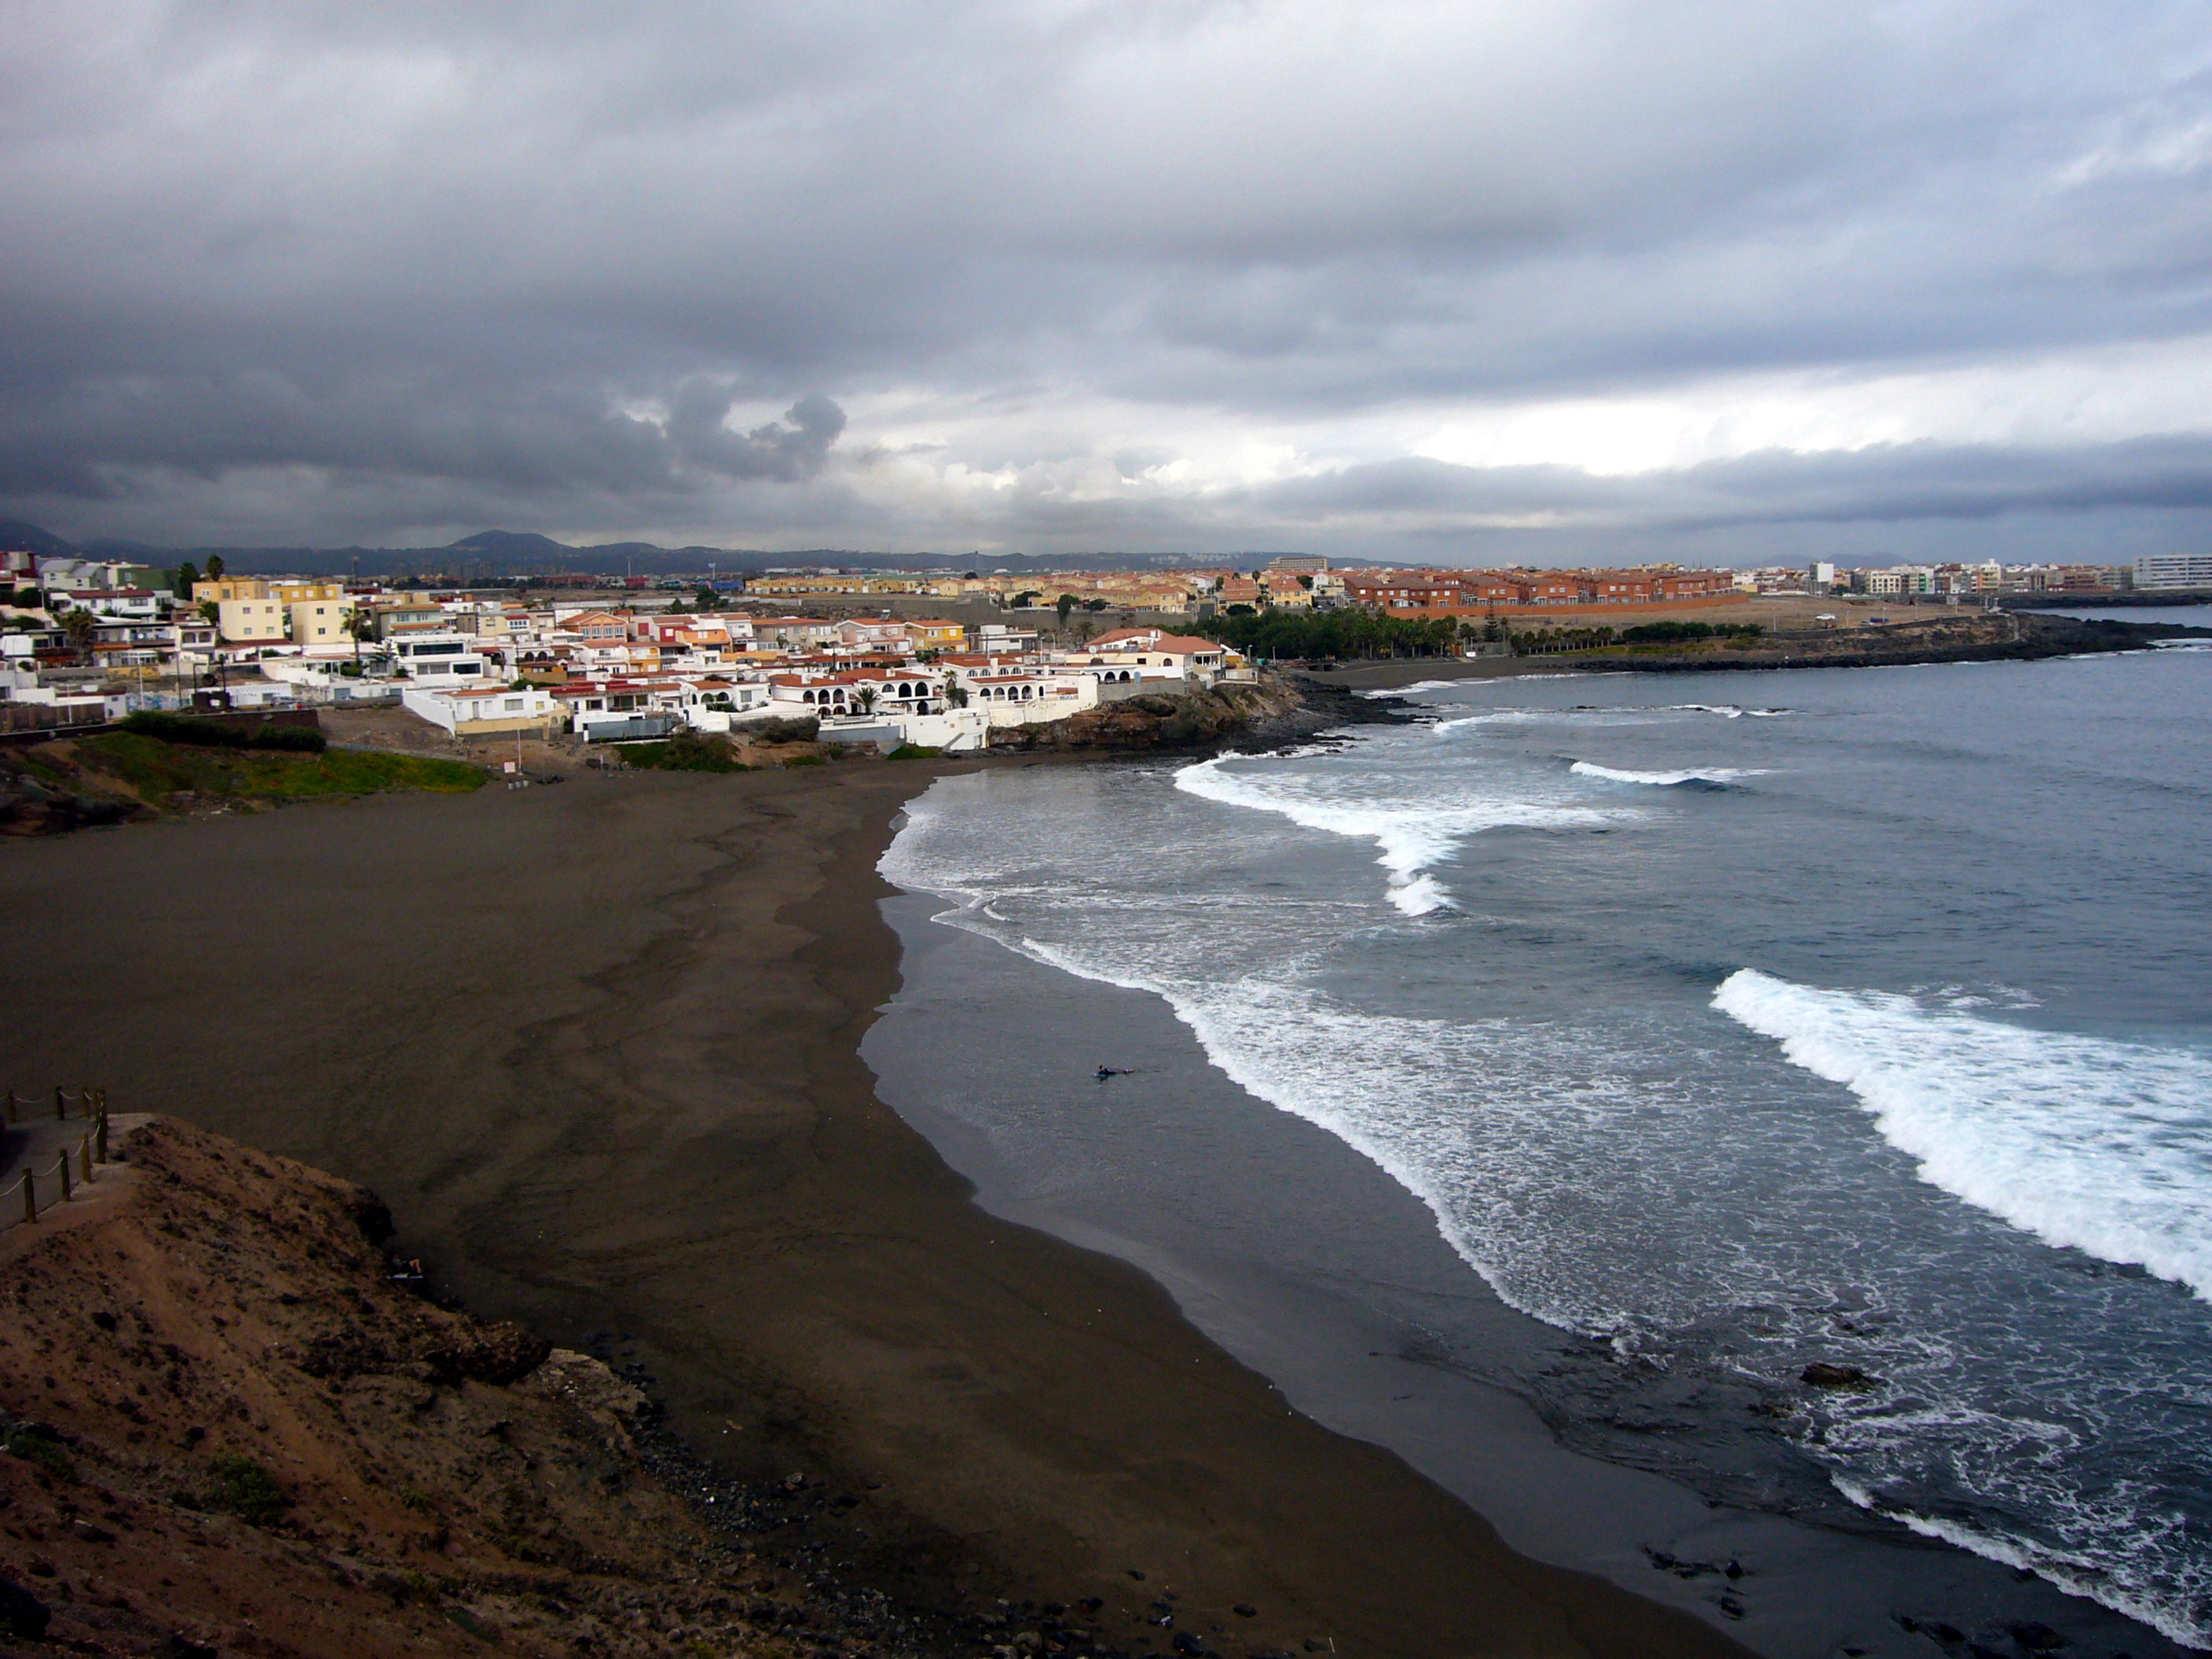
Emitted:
<point x="597" y="1046"/>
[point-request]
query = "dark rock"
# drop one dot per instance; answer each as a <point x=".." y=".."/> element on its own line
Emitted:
<point x="370" y="1213"/>
<point x="22" y="1614"/>
<point x="1245" y="1610"/>
<point x="91" y="1534"/>
<point x="104" y="1321"/>
<point x="183" y="1647"/>
<point x="1135" y="1574"/>
<point x="500" y="1354"/>
<point x="2036" y="1637"/>
<point x="1186" y="1643"/>
<point x="1822" y="1374"/>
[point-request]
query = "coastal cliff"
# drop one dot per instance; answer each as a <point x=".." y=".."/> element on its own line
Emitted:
<point x="1954" y="636"/>
<point x="1280" y="709"/>
<point x="228" y="1429"/>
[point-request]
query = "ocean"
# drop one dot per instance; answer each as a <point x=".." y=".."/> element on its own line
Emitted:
<point x="1722" y="1026"/>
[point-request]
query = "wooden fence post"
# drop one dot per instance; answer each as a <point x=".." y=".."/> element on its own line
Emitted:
<point x="99" y="1140"/>
<point x="30" y="1198"/>
<point x="64" y="1168"/>
<point x="84" y="1157"/>
<point x="61" y="1103"/>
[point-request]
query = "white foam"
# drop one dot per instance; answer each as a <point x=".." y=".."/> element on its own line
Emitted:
<point x="2092" y="1145"/>
<point x="2071" y="1573"/>
<point x="1421" y="895"/>
<point x="1494" y="717"/>
<point x="1664" y="780"/>
<point x="1409" y="690"/>
<point x="1412" y="837"/>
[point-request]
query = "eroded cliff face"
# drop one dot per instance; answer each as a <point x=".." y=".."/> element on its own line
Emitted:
<point x="229" y="1428"/>
<point x="1276" y="709"/>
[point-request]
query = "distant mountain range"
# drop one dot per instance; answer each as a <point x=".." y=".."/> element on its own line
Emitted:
<point x="517" y="553"/>
<point x="17" y="537"/>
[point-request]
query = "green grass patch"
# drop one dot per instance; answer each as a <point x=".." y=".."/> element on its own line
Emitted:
<point x="913" y="751"/>
<point x="808" y="759"/>
<point x="685" y="751"/>
<point x="244" y="1489"/>
<point x="219" y="734"/>
<point x="34" y="1445"/>
<point x="158" y="769"/>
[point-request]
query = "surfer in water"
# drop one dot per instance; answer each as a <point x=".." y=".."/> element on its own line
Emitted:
<point x="1105" y="1072"/>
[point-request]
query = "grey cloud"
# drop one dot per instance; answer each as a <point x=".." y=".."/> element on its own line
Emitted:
<point x="389" y="264"/>
<point x="696" y="427"/>
<point x="1891" y="487"/>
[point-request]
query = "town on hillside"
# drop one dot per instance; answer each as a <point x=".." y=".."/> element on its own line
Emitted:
<point x="867" y="658"/>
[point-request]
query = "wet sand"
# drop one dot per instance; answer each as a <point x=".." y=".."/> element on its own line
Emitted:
<point x="597" y="1045"/>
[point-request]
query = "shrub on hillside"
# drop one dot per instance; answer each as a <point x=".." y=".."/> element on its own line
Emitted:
<point x="1671" y="632"/>
<point x="217" y="734"/>
<point x="684" y="752"/>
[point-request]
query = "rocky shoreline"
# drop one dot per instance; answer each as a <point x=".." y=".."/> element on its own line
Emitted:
<point x="1999" y="636"/>
<point x="1946" y="637"/>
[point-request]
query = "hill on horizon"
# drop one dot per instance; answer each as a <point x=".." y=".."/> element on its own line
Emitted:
<point x="511" y="544"/>
<point x="18" y="537"/>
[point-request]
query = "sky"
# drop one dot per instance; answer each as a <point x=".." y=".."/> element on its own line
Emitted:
<point x="1474" y="283"/>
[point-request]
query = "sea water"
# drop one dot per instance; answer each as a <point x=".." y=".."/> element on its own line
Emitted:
<point x="1737" y="1023"/>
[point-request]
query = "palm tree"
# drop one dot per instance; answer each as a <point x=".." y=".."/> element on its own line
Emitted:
<point x="80" y="626"/>
<point x="360" y="626"/>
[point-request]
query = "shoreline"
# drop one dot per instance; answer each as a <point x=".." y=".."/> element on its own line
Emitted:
<point x="1317" y="1269"/>
<point x="597" y="1048"/>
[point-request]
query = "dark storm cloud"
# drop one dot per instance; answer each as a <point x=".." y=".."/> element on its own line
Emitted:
<point x="322" y="271"/>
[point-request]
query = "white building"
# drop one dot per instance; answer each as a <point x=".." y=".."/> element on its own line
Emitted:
<point x="438" y="659"/>
<point x="482" y="711"/>
<point x="2175" y="570"/>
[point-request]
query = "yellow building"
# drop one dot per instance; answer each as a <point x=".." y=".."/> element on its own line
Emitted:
<point x="935" y="634"/>
<point x="285" y="592"/>
<point x="795" y="586"/>
<point x="320" y="624"/>
<point x="251" y="621"/>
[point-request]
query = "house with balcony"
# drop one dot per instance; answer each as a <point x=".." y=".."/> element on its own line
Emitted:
<point x="437" y="657"/>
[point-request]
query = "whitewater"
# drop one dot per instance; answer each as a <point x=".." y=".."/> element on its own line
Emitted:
<point x="1852" y="1025"/>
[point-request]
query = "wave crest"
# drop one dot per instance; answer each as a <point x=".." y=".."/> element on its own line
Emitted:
<point x="2088" y="1144"/>
<point x="1412" y="837"/>
<point x="1716" y="776"/>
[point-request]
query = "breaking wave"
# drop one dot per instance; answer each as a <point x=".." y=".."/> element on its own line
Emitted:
<point x="1409" y="690"/>
<point x="1414" y="835"/>
<point x="2088" y="1144"/>
<point x="1715" y="776"/>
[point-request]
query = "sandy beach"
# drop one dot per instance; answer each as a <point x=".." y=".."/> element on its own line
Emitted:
<point x="597" y="1046"/>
